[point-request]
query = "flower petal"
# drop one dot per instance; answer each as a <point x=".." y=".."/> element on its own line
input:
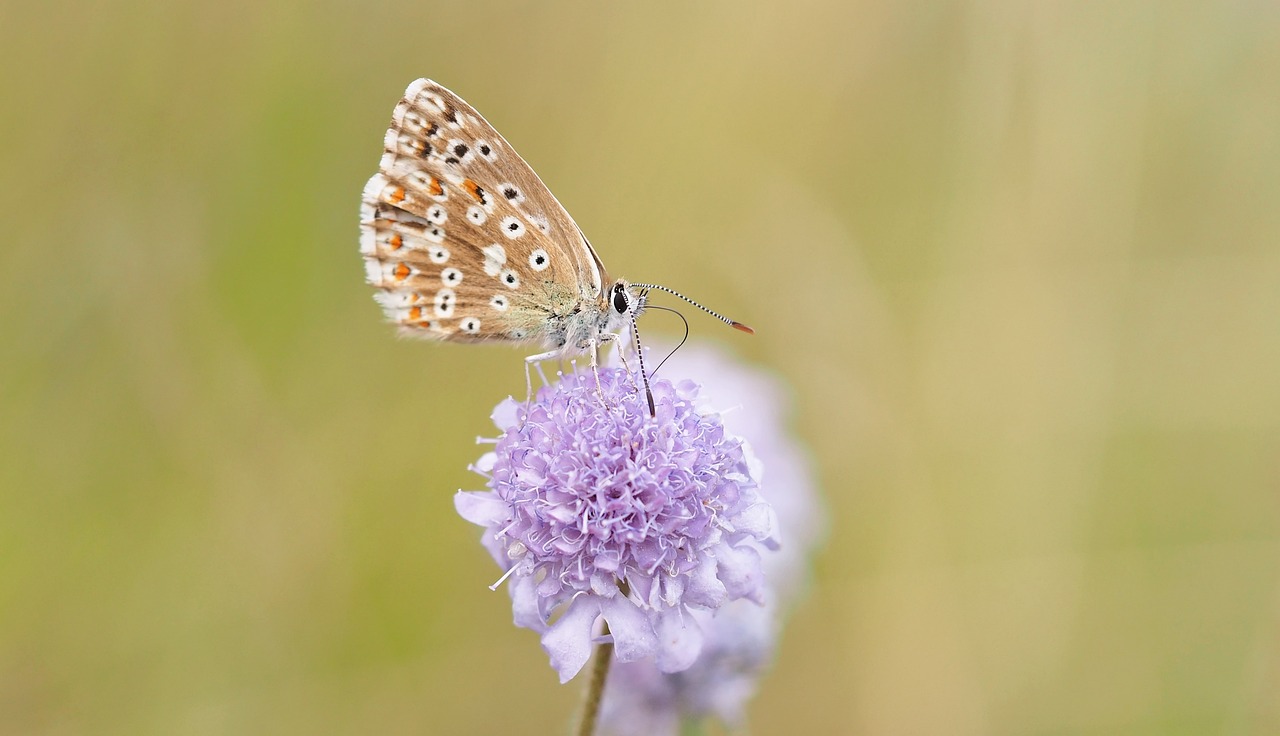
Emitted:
<point x="506" y="414"/>
<point x="633" y="636"/>
<point x="481" y="507"/>
<point x="759" y="520"/>
<point x="568" y="641"/>
<point x="705" y="589"/>
<point x="679" y="640"/>
<point x="524" y="603"/>
<point x="740" y="571"/>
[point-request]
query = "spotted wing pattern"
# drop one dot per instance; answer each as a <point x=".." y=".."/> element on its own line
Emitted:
<point x="462" y="239"/>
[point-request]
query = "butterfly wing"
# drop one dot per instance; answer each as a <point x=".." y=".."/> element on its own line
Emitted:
<point x="462" y="239"/>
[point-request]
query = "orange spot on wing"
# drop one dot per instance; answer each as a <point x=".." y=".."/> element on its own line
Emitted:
<point x="395" y="242"/>
<point x="474" y="189"/>
<point x="397" y="195"/>
<point x="434" y="187"/>
<point x="415" y="314"/>
<point x="402" y="272"/>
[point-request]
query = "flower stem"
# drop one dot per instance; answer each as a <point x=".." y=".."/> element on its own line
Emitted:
<point x="595" y="687"/>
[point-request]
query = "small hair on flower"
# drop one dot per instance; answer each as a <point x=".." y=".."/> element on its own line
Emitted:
<point x="600" y="514"/>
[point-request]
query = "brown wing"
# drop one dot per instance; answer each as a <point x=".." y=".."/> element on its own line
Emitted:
<point x="458" y="233"/>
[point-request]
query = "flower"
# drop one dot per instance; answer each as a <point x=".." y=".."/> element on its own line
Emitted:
<point x="600" y="511"/>
<point x="740" y="639"/>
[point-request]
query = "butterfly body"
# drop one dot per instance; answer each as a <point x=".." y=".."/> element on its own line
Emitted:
<point x="465" y="243"/>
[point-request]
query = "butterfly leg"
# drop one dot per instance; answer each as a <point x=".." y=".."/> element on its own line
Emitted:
<point x="594" y="352"/>
<point x="619" y="350"/>
<point x="622" y="358"/>
<point x="608" y="337"/>
<point x="531" y="361"/>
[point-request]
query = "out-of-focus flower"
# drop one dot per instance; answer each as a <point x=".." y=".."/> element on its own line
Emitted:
<point x="741" y="637"/>
<point x="599" y="511"/>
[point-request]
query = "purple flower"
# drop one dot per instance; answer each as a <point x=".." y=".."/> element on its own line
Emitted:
<point x="600" y="512"/>
<point x="740" y="639"/>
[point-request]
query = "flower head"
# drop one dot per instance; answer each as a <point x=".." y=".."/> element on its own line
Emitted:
<point x="600" y="511"/>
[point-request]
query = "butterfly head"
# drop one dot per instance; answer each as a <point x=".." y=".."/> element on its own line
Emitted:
<point x="624" y="302"/>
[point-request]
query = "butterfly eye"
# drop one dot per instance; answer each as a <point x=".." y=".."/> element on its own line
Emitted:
<point x="621" y="299"/>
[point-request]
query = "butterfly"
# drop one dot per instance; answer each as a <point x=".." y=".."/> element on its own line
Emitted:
<point x="464" y="242"/>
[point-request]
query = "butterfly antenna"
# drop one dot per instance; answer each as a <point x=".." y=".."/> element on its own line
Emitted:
<point x="732" y="323"/>
<point x="648" y="392"/>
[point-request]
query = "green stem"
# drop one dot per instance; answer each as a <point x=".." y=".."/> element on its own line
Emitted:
<point x="595" y="688"/>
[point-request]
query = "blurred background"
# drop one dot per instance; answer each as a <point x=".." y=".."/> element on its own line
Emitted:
<point x="1018" y="264"/>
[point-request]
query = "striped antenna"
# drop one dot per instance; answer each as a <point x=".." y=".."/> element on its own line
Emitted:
<point x="635" y="330"/>
<point x="732" y="323"/>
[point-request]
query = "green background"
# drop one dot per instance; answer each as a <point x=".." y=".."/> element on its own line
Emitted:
<point x="1019" y="264"/>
